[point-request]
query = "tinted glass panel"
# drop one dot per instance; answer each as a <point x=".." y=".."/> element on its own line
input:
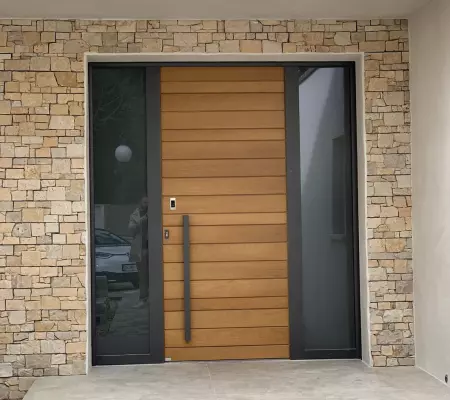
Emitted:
<point x="327" y="281"/>
<point x="120" y="200"/>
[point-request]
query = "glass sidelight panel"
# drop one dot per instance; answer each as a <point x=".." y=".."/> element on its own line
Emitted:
<point x="120" y="232"/>
<point x="327" y="274"/>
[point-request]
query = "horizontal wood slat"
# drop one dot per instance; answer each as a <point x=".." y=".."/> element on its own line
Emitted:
<point x="198" y="135"/>
<point x="223" y="87"/>
<point x="228" y="353"/>
<point x="228" y="252"/>
<point x="228" y="303"/>
<point x="226" y="219"/>
<point x="226" y="204"/>
<point x="228" y="319"/>
<point x="223" y="186"/>
<point x="228" y="288"/>
<point x="222" y="102"/>
<point x="222" y="119"/>
<point x="230" y="234"/>
<point x="223" y="168"/>
<point x="229" y="337"/>
<point x="222" y="74"/>
<point x="222" y="150"/>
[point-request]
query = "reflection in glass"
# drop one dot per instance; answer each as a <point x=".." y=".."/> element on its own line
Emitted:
<point x="327" y="289"/>
<point x="120" y="200"/>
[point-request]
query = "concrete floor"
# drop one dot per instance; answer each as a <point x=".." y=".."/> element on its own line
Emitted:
<point x="246" y="380"/>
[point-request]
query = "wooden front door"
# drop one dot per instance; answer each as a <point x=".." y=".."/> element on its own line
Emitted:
<point x="223" y="160"/>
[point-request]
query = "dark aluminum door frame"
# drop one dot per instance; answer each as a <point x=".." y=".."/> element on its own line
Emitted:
<point x="156" y="296"/>
<point x="298" y="349"/>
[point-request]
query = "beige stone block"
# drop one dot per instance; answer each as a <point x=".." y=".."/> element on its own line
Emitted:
<point x="59" y="109"/>
<point x="185" y="39"/>
<point x="17" y="317"/>
<point x="48" y="37"/>
<point x="379" y="361"/>
<point x="17" y="65"/>
<point x="38" y="361"/>
<point x="5" y="120"/>
<point x="395" y="245"/>
<point x="372" y="46"/>
<point x="237" y="26"/>
<point x="53" y="346"/>
<point x="382" y="188"/>
<point x="61" y="207"/>
<point x="93" y="38"/>
<point x="73" y="305"/>
<point x="229" y="46"/>
<point x="385" y="140"/>
<point x="40" y="64"/>
<point x="377" y="245"/>
<point x="394" y="119"/>
<point x="29" y="184"/>
<point x="7" y="149"/>
<point x="5" y="194"/>
<point x="31" y="38"/>
<point x="75" y="151"/>
<point x="389" y="212"/>
<point x="205" y="37"/>
<point x="60" y="64"/>
<point x="75" y="46"/>
<point x="31" y="258"/>
<point x="210" y="25"/>
<point x="152" y="45"/>
<point x="58" y="359"/>
<point x="313" y="38"/>
<point x="37" y="229"/>
<point x="342" y="39"/>
<point x="32" y="215"/>
<point x="62" y="122"/>
<point x="250" y="46"/>
<point x="394" y="98"/>
<point x="71" y="251"/>
<point x="3" y="38"/>
<point x="76" y="348"/>
<point x="378" y="85"/>
<point x="65" y="292"/>
<point x="50" y="303"/>
<point x="6" y="338"/>
<point x="31" y="99"/>
<point x="403" y="181"/>
<point x="56" y="193"/>
<point x="5" y="107"/>
<point x="66" y="79"/>
<point x="271" y="47"/>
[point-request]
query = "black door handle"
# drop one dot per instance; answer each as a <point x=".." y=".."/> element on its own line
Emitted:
<point x="187" y="279"/>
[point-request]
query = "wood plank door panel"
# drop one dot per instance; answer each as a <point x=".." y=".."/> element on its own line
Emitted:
<point x="223" y="159"/>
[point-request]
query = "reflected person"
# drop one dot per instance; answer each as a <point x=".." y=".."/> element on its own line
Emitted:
<point x="138" y="226"/>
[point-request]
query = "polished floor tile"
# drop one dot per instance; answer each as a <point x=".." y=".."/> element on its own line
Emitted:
<point x="244" y="380"/>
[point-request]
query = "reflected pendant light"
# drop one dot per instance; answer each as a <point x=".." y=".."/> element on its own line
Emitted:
<point x="123" y="153"/>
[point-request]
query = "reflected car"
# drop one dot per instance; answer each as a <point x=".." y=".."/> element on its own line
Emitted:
<point x="112" y="258"/>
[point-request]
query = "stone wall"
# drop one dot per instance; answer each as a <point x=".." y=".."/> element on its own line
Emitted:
<point x="42" y="204"/>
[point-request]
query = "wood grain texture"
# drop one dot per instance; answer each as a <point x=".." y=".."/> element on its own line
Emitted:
<point x="228" y="353"/>
<point x="228" y="319"/>
<point x="230" y="234"/>
<point x="228" y="252"/>
<point x="221" y="74"/>
<point x="234" y="303"/>
<point x="204" y="135"/>
<point x="222" y="119"/>
<point x="228" y="270"/>
<point x="223" y="168"/>
<point x="223" y="87"/>
<point x="226" y="204"/>
<point x="228" y="288"/>
<point x="223" y="186"/>
<point x="226" y="219"/>
<point x="222" y="102"/>
<point x="223" y="150"/>
<point x="229" y="337"/>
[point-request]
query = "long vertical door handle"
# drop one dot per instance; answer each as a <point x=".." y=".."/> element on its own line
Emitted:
<point x="187" y="279"/>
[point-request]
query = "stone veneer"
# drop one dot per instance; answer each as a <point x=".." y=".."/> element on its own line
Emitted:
<point x="43" y="209"/>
